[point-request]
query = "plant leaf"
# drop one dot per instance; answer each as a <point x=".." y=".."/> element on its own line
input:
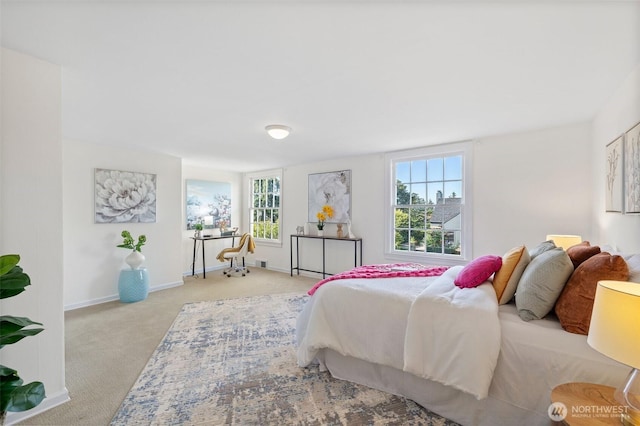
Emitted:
<point x="13" y="282"/>
<point x="12" y="329"/>
<point x="7" y="262"/>
<point x="22" y="398"/>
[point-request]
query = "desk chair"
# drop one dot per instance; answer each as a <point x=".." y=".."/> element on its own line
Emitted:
<point x="234" y="254"/>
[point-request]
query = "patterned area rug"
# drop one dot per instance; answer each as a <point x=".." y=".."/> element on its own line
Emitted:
<point x="233" y="362"/>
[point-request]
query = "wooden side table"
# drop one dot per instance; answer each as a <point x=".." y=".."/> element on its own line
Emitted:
<point x="585" y="404"/>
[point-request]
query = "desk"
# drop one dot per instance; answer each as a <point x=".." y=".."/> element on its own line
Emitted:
<point x="356" y="242"/>
<point x="203" y="239"/>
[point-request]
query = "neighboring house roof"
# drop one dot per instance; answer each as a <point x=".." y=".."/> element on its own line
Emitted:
<point x="445" y="210"/>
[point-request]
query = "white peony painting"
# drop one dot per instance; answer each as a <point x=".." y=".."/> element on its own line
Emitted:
<point x="333" y="189"/>
<point x="124" y="197"/>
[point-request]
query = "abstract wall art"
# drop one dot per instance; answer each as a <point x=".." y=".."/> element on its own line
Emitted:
<point x="632" y="170"/>
<point x="208" y="203"/>
<point x="124" y="197"/>
<point x="614" y="193"/>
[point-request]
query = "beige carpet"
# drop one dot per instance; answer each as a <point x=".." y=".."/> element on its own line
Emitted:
<point x="108" y="345"/>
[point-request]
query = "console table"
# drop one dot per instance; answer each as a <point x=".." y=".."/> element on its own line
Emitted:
<point x="357" y="243"/>
<point x="203" y="239"/>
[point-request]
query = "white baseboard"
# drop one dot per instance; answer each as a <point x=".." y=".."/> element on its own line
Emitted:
<point x="113" y="297"/>
<point x="47" y="404"/>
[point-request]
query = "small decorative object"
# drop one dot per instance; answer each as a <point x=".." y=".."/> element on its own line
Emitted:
<point x="349" y="233"/>
<point x="16" y="397"/>
<point x="323" y="215"/>
<point x="300" y="230"/>
<point x="135" y="258"/>
<point x="339" y="233"/>
<point x="223" y="226"/>
<point x="198" y="230"/>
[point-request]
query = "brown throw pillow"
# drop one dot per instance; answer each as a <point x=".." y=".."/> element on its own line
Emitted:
<point x="575" y="304"/>
<point x="581" y="252"/>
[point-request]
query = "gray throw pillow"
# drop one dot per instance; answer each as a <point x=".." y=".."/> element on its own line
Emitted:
<point x="542" y="282"/>
<point x="541" y="248"/>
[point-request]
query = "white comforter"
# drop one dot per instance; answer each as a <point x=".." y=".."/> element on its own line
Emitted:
<point x="424" y="326"/>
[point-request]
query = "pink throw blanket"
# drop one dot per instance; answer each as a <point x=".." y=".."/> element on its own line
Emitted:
<point x="387" y="270"/>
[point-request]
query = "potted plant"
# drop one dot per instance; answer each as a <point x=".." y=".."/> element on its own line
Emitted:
<point x="198" y="227"/>
<point x="323" y="215"/>
<point x="135" y="258"/>
<point x="14" y="396"/>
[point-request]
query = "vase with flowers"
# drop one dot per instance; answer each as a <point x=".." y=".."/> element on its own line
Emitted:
<point x="323" y="215"/>
<point x="133" y="284"/>
<point x="135" y="258"/>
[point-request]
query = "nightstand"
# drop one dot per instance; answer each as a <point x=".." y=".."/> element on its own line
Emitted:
<point x="586" y="404"/>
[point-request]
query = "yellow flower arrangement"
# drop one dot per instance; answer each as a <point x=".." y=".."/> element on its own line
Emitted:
<point x="323" y="215"/>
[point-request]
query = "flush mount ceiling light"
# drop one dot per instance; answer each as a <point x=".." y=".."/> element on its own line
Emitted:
<point x="278" y="131"/>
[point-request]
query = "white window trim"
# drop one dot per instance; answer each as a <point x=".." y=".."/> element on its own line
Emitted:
<point x="266" y="174"/>
<point x="464" y="148"/>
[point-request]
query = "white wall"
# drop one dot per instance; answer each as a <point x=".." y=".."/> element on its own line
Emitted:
<point x="31" y="212"/>
<point x="525" y="186"/>
<point x="211" y="247"/>
<point x="618" y="115"/>
<point x="91" y="259"/>
<point x="529" y="185"/>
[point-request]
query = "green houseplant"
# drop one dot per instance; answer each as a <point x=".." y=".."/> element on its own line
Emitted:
<point x="14" y="396"/>
<point x="135" y="258"/>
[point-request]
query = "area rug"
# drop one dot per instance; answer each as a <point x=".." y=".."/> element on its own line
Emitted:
<point x="233" y="362"/>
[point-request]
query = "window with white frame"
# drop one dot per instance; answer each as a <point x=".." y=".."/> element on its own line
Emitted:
<point x="265" y="205"/>
<point x="430" y="200"/>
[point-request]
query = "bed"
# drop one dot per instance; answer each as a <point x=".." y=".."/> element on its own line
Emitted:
<point x="491" y="367"/>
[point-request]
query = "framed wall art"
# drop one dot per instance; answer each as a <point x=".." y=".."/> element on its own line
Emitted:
<point x="208" y="203"/>
<point x="124" y="197"/>
<point x="614" y="190"/>
<point x="632" y="170"/>
<point x="333" y="189"/>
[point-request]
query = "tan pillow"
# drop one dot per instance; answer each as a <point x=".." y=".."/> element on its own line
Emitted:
<point x="575" y="304"/>
<point x="505" y="280"/>
<point x="581" y="252"/>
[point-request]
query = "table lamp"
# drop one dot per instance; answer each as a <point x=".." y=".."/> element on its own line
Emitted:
<point x="615" y="332"/>
<point x="564" y="241"/>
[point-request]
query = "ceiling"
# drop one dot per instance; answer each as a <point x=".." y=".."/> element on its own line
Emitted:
<point x="201" y="79"/>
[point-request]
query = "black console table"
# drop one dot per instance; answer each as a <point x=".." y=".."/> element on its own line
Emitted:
<point x="357" y="243"/>
<point x="203" y="239"/>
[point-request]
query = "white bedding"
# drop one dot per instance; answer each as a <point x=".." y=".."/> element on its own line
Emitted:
<point x="425" y="326"/>
<point x="534" y="356"/>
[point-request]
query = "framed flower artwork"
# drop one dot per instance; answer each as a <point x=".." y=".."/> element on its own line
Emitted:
<point x="330" y="189"/>
<point x="124" y="197"/>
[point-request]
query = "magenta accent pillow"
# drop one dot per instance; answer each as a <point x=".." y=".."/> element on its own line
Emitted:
<point x="478" y="271"/>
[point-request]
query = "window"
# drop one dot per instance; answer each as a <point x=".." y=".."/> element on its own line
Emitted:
<point x="265" y="206"/>
<point x="429" y="196"/>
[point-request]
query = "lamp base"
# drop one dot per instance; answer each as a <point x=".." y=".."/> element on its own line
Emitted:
<point x="628" y="394"/>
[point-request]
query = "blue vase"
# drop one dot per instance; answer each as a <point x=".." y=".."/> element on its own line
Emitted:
<point x="133" y="285"/>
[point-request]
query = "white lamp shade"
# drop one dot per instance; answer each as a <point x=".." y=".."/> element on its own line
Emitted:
<point x="564" y="241"/>
<point x="615" y="321"/>
<point x="278" y="131"/>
